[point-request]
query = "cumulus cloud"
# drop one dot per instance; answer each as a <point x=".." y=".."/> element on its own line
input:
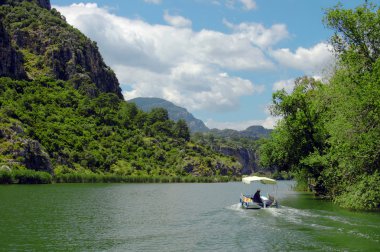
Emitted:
<point x="153" y="1"/>
<point x="196" y="86"/>
<point x="244" y="4"/>
<point x="190" y="68"/>
<point x="177" y="21"/>
<point x="258" y="35"/>
<point x="310" y="60"/>
<point x="248" y="4"/>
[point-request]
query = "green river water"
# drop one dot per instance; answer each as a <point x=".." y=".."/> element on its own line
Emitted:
<point x="175" y="217"/>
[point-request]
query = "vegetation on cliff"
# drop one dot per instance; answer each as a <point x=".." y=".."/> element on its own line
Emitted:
<point x="102" y="134"/>
<point x="51" y="47"/>
<point x="329" y="133"/>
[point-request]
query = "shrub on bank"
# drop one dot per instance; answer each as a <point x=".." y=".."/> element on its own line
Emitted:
<point x="114" y="178"/>
<point x="362" y="195"/>
<point x="5" y="177"/>
<point x="25" y="177"/>
<point x="31" y="177"/>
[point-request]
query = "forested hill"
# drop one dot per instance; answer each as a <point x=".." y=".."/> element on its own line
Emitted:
<point x="61" y="108"/>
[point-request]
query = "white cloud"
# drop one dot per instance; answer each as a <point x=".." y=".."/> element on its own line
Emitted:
<point x="189" y="68"/>
<point x="258" y="35"/>
<point x="153" y="1"/>
<point x="177" y="21"/>
<point x="287" y="85"/>
<point x="248" y="4"/>
<point x="310" y="60"/>
<point x="189" y="84"/>
<point x="268" y="123"/>
<point x="245" y="4"/>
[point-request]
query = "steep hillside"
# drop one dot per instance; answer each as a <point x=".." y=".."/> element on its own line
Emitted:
<point x="38" y="40"/>
<point x="61" y="112"/>
<point x="175" y="112"/>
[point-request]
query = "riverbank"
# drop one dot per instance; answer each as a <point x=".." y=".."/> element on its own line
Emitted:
<point x="38" y="177"/>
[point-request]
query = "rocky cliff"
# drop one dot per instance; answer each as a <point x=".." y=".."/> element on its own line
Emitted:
<point x="23" y="151"/>
<point x="50" y="47"/>
<point x="36" y="41"/>
<point x="11" y="63"/>
<point x="246" y="157"/>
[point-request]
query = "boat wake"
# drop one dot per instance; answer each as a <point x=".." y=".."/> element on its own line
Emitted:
<point x="236" y="207"/>
<point x="304" y="219"/>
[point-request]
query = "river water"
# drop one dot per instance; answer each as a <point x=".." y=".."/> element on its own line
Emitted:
<point x="175" y="217"/>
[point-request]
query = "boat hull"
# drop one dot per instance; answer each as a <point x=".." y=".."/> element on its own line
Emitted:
<point x="247" y="202"/>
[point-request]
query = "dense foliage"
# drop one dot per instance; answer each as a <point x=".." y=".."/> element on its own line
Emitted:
<point x="101" y="134"/>
<point x="329" y="133"/>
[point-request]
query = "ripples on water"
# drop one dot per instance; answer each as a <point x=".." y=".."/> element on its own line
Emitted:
<point x="175" y="217"/>
<point x="310" y="229"/>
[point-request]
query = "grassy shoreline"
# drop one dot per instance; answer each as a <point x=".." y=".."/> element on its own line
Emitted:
<point x="38" y="177"/>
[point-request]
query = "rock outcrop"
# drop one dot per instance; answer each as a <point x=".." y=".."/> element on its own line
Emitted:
<point x="11" y="63"/>
<point x="23" y="151"/>
<point x="246" y="157"/>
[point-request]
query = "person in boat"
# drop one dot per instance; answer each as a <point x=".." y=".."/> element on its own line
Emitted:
<point x="256" y="198"/>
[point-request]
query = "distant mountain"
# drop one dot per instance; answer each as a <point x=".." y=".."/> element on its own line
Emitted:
<point x="175" y="112"/>
<point x="252" y="132"/>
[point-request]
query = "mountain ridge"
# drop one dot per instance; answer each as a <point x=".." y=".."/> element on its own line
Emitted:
<point x="197" y="125"/>
<point x="175" y="112"/>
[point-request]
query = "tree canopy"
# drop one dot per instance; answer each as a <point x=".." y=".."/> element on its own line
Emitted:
<point x="329" y="132"/>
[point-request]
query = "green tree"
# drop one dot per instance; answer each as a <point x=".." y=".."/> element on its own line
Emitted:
<point x="357" y="33"/>
<point x="330" y="133"/>
<point x="353" y="120"/>
<point x="300" y="132"/>
<point x="181" y="130"/>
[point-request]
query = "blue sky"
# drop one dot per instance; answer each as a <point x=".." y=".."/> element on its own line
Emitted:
<point x="220" y="59"/>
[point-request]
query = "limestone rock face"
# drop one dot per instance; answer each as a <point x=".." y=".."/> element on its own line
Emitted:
<point x="68" y="63"/>
<point x="50" y="46"/>
<point x="11" y="63"/>
<point x="23" y="151"/>
<point x="246" y="157"/>
<point x="35" y="158"/>
<point x="44" y="4"/>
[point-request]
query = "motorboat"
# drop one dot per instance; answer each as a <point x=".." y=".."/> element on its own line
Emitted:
<point x="250" y="201"/>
